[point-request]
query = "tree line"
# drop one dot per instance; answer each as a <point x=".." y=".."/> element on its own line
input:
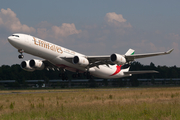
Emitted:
<point x="15" y="72"/>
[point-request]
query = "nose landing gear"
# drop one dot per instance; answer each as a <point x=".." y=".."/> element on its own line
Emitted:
<point x="21" y="56"/>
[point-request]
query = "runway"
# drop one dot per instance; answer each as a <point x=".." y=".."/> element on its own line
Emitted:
<point x="62" y="91"/>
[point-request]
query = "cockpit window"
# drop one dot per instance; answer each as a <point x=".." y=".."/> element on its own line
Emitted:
<point x="16" y="35"/>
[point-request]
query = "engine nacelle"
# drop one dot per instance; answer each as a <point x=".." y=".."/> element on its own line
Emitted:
<point x="117" y="59"/>
<point x="36" y="64"/>
<point x="82" y="61"/>
<point x="25" y="66"/>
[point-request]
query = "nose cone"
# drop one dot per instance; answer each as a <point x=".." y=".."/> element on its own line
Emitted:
<point x="14" y="40"/>
<point x="10" y="39"/>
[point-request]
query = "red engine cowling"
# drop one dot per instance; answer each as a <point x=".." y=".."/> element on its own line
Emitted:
<point x="36" y="64"/>
<point x="82" y="61"/>
<point x="117" y="59"/>
<point x="25" y="66"/>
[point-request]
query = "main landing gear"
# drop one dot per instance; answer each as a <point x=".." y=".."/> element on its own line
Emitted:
<point x="21" y="56"/>
<point x="88" y="75"/>
<point x="63" y="75"/>
<point x="78" y="75"/>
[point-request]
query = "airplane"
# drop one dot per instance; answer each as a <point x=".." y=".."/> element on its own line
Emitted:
<point x="62" y="59"/>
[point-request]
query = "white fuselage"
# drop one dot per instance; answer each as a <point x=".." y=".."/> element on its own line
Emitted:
<point x="55" y="54"/>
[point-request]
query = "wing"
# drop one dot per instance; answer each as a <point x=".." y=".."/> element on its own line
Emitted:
<point x="105" y="60"/>
<point x="140" y="72"/>
<point x="137" y="56"/>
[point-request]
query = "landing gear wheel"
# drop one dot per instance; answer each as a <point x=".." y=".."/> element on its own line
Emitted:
<point x="74" y="76"/>
<point x="88" y="75"/>
<point x="63" y="76"/>
<point x="20" y="56"/>
<point x="77" y="75"/>
<point x="20" y="51"/>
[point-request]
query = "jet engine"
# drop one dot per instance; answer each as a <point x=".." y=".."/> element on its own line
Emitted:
<point x="36" y="64"/>
<point x="25" y="66"/>
<point x="82" y="61"/>
<point x="117" y="59"/>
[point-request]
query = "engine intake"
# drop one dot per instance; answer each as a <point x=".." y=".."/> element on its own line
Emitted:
<point x="82" y="61"/>
<point x="36" y="64"/>
<point x="25" y="66"/>
<point x="117" y="59"/>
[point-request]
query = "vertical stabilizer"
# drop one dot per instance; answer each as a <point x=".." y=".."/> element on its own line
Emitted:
<point x="130" y="52"/>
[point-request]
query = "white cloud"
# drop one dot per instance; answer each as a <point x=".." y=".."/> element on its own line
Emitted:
<point x="44" y="24"/>
<point x="116" y="20"/>
<point x="42" y="32"/>
<point x="65" y="30"/>
<point x="9" y="21"/>
<point x="58" y="32"/>
<point x="173" y="36"/>
<point x="112" y="17"/>
<point x="147" y="46"/>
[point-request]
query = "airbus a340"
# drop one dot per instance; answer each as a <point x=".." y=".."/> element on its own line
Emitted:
<point x="60" y="58"/>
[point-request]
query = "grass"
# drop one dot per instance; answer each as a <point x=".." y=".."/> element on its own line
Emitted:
<point x="96" y="104"/>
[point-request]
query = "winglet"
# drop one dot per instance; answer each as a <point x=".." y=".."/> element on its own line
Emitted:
<point x="169" y="51"/>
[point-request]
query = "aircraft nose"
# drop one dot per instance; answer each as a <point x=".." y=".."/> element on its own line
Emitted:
<point x="9" y="38"/>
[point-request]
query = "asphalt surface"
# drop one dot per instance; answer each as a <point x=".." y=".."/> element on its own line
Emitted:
<point x="62" y="91"/>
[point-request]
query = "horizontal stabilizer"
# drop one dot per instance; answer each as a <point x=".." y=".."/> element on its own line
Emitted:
<point x="140" y="72"/>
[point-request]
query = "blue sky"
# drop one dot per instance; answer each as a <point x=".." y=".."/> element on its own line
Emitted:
<point x="95" y="27"/>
